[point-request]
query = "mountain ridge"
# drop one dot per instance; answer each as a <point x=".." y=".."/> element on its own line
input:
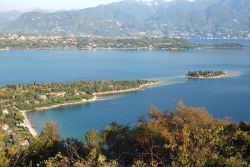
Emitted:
<point x="178" y="18"/>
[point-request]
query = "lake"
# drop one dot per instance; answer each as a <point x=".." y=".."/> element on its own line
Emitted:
<point x="225" y="97"/>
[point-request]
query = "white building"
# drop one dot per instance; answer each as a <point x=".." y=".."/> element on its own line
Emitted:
<point x="5" y="112"/>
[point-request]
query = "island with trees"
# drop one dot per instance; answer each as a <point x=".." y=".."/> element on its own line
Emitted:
<point x="207" y="74"/>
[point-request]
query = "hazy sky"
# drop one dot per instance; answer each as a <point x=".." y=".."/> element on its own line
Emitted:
<point x="24" y="5"/>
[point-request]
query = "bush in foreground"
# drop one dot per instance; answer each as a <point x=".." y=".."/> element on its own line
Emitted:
<point x="186" y="137"/>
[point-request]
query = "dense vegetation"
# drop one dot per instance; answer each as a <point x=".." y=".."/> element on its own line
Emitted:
<point x="228" y="45"/>
<point x="29" y="97"/>
<point x="186" y="137"/>
<point x="14" y="98"/>
<point x="206" y="73"/>
<point x="221" y="46"/>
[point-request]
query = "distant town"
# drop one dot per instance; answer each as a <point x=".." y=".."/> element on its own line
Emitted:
<point x="13" y="41"/>
<point x="16" y="41"/>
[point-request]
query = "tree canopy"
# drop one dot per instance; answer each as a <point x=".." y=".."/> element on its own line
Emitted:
<point x="188" y="136"/>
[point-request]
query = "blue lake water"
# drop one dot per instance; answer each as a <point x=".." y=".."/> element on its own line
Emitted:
<point x="225" y="97"/>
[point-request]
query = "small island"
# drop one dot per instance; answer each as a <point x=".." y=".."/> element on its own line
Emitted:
<point x="206" y="74"/>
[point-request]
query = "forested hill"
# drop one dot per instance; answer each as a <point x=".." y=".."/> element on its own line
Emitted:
<point x="177" y="18"/>
<point x="187" y="137"/>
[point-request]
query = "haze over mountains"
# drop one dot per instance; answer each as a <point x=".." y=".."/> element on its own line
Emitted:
<point x="7" y="17"/>
<point x="177" y="18"/>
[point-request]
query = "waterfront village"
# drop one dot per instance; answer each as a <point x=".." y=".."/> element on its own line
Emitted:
<point x="88" y="42"/>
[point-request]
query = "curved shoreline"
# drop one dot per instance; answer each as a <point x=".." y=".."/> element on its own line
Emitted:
<point x="28" y="124"/>
<point x="34" y="133"/>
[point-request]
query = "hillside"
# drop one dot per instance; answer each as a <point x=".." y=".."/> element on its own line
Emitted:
<point x="188" y="136"/>
<point x="178" y="18"/>
<point x="7" y="17"/>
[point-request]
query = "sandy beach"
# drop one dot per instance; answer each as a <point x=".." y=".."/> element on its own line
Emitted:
<point x="27" y="123"/>
<point x="234" y="73"/>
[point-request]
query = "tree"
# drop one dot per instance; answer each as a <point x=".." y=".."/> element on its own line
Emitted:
<point x="3" y="157"/>
<point x="46" y="145"/>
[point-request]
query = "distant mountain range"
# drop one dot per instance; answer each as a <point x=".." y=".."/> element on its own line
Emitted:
<point x="177" y="18"/>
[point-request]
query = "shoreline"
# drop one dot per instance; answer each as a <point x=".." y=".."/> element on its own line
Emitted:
<point x="28" y="124"/>
<point x="129" y="90"/>
<point x="34" y="133"/>
<point x="65" y="104"/>
<point x="132" y="49"/>
<point x="95" y="49"/>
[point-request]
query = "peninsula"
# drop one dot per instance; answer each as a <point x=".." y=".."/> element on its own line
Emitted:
<point x="17" y="99"/>
<point x="207" y="74"/>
